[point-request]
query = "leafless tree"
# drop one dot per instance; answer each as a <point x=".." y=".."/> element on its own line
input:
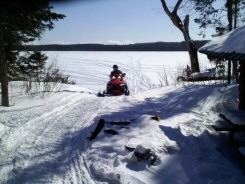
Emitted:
<point x="183" y="26"/>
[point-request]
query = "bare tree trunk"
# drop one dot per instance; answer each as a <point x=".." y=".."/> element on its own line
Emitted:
<point x="235" y="14"/>
<point x="229" y="14"/>
<point x="230" y="27"/>
<point x="242" y="86"/>
<point x="3" y="74"/>
<point x="192" y="49"/>
<point x="229" y="4"/>
<point x="234" y="63"/>
<point x="184" y="28"/>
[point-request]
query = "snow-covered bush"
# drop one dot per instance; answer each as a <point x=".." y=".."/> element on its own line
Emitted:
<point x="205" y="75"/>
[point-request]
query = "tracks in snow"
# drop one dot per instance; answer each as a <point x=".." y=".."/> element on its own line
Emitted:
<point x="51" y="143"/>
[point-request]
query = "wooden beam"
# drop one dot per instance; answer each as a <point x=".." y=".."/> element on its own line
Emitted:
<point x="242" y="86"/>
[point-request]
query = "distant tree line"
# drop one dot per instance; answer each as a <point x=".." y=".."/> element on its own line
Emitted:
<point x="155" y="46"/>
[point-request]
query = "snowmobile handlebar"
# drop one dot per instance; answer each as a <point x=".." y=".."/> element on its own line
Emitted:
<point x="117" y="76"/>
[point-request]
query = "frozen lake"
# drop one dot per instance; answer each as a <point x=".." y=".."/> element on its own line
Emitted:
<point x="143" y="69"/>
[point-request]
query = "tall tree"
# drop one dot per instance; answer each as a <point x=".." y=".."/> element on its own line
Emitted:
<point x="236" y="11"/>
<point x="223" y="16"/>
<point x="183" y="26"/>
<point x="21" y="22"/>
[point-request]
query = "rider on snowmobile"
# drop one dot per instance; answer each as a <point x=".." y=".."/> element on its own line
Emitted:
<point x="117" y="85"/>
<point x="114" y="75"/>
<point x="115" y="71"/>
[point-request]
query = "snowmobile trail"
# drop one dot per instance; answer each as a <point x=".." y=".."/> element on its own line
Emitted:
<point x="58" y="133"/>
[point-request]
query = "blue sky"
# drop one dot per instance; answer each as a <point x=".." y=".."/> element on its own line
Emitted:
<point x="114" y="22"/>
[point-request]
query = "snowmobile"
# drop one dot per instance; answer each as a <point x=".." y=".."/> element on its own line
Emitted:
<point x="116" y="86"/>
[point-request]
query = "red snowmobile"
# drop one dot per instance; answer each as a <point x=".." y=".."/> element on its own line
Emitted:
<point x="116" y="86"/>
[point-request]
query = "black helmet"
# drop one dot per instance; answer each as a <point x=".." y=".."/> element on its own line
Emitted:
<point x="115" y="67"/>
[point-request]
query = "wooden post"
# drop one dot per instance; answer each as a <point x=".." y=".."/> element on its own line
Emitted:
<point x="234" y="71"/>
<point x="242" y="86"/>
<point x="3" y="73"/>
<point x="229" y="72"/>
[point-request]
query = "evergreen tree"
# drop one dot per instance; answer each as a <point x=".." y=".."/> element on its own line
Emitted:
<point x="30" y="65"/>
<point x="21" y="22"/>
<point x="223" y="16"/>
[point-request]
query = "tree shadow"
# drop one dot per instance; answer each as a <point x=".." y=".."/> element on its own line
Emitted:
<point x="202" y="159"/>
<point x="182" y="100"/>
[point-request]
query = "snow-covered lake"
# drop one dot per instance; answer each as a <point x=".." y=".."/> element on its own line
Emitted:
<point x="143" y="69"/>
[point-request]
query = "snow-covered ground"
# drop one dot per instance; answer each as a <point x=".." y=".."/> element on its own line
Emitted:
<point x="43" y="138"/>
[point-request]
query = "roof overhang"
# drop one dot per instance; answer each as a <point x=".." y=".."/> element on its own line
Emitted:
<point x="230" y="46"/>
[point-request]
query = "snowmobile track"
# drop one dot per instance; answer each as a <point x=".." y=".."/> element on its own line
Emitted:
<point x="52" y="127"/>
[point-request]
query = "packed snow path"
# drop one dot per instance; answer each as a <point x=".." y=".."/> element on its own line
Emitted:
<point x="46" y="139"/>
<point x="43" y="139"/>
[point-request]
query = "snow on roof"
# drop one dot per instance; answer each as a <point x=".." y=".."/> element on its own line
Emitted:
<point x="229" y="46"/>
